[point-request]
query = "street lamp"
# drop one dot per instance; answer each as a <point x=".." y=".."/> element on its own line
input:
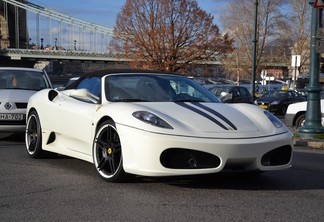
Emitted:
<point x="28" y="42"/>
<point x="313" y="124"/>
<point x="254" y="41"/>
<point x="42" y="41"/>
<point x="55" y="43"/>
<point x="75" y="41"/>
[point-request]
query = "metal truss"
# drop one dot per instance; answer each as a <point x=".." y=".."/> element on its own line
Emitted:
<point x="40" y="10"/>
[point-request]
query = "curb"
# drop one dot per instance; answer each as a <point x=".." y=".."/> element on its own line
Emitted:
<point x="314" y="144"/>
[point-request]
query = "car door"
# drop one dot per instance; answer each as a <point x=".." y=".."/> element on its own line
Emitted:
<point x="236" y="97"/>
<point x="76" y="116"/>
<point x="245" y="95"/>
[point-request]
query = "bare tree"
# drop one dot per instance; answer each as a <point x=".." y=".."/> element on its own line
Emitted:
<point x="168" y="35"/>
<point x="238" y="20"/>
<point x="297" y="34"/>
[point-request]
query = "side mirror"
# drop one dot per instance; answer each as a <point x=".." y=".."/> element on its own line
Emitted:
<point x="85" y="95"/>
<point x="225" y="96"/>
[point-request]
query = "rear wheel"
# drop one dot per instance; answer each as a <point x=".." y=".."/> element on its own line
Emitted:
<point x="33" y="136"/>
<point x="107" y="153"/>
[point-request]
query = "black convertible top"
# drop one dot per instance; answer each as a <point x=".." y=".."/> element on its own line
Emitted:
<point x="104" y="72"/>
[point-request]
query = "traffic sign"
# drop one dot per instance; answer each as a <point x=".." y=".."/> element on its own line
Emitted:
<point x="319" y="4"/>
<point x="295" y="61"/>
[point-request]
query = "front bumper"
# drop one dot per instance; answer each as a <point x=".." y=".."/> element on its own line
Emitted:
<point x="147" y="154"/>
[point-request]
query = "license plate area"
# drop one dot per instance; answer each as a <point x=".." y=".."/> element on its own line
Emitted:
<point x="11" y="116"/>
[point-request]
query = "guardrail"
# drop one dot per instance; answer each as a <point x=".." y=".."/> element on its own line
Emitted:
<point x="19" y="54"/>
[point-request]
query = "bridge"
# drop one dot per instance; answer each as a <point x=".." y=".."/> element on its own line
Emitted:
<point x="72" y="38"/>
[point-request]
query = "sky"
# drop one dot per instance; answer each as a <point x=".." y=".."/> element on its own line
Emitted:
<point x="99" y="12"/>
<point x="103" y="12"/>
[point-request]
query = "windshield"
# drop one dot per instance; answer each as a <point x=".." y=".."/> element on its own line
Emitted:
<point x="155" y="88"/>
<point x="274" y="94"/>
<point x="23" y="79"/>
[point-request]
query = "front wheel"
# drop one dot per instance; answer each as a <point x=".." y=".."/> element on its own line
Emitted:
<point x="33" y="136"/>
<point x="107" y="153"/>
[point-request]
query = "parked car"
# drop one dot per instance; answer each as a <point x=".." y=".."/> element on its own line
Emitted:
<point x="16" y="86"/>
<point x="296" y="114"/>
<point x="153" y="124"/>
<point x="277" y="101"/>
<point x="232" y="94"/>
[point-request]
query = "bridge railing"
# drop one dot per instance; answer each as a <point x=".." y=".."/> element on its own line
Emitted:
<point x="53" y="55"/>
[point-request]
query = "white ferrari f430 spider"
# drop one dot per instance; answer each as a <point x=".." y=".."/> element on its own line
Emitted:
<point x="153" y="124"/>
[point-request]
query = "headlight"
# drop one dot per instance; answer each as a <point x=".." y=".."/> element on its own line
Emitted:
<point x="255" y="102"/>
<point x="152" y="119"/>
<point x="275" y="121"/>
<point x="275" y="102"/>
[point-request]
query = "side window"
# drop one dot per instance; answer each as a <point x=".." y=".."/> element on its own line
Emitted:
<point x="92" y="84"/>
<point x="243" y="92"/>
<point x="235" y="92"/>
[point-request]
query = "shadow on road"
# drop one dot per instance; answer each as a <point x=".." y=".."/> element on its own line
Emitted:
<point x="291" y="179"/>
<point x="12" y="137"/>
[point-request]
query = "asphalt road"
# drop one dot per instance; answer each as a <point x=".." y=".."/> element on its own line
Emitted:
<point x="66" y="189"/>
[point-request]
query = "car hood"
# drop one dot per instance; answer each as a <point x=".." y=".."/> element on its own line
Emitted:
<point x="17" y="95"/>
<point x="201" y="119"/>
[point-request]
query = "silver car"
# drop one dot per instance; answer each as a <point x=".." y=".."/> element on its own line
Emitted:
<point x="16" y="86"/>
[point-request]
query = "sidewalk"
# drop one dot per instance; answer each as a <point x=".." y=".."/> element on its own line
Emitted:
<point x="309" y="143"/>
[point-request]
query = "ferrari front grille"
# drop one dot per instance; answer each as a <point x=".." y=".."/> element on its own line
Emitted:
<point x="179" y="158"/>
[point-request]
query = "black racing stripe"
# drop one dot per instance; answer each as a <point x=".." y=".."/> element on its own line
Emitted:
<point x="216" y="114"/>
<point x="202" y="113"/>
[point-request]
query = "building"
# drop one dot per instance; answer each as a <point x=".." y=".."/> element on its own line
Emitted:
<point x="13" y="26"/>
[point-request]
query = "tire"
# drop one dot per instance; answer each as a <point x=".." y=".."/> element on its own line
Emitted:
<point x="33" y="136"/>
<point x="300" y="121"/>
<point x="107" y="153"/>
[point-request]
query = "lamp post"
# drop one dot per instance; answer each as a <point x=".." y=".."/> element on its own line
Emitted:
<point x="75" y="41"/>
<point x="42" y="41"/>
<point x="254" y="41"/>
<point x="313" y="124"/>
<point x="55" y="43"/>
